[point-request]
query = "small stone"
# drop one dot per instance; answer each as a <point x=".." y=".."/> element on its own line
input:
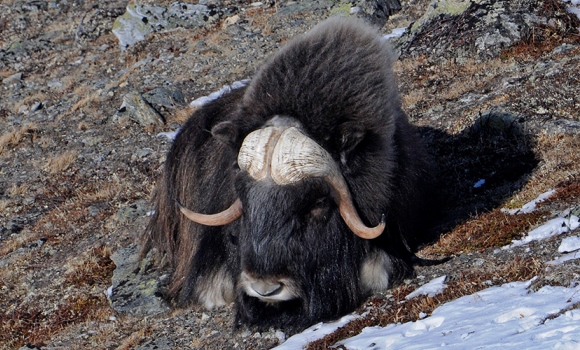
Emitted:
<point x="138" y="109"/>
<point x="13" y="79"/>
<point x="133" y="211"/>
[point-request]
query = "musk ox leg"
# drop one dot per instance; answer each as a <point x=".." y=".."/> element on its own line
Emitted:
<point x="380" y="271"/>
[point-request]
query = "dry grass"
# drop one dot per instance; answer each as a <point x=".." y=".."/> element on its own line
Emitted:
<point x="60" y="163"/>
<point x="83" y="126"/>
<point x="260" y="17"/>
<point x="183" y="114"/>
<point x="568" y="192"/>
<point x="4" y="203"/>
<point x="133" y="340"/>
<point x="412" y="98"/>
<point x="33" y="325"/>
<point x="19" y="190"/>
<point x="560" y="162"/>
<point x="92" y="267"/>
<point x="16" y="136"/>
<point x="487" y="230"/>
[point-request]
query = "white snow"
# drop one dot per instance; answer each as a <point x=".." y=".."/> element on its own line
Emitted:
<point x="170" y="135"/>
<point x="566" y="257"/>
<point x="397" y="32"/>
<point x="530" y="206"/>
<point x="217" y="94"/>
<point x="430" y="289"/>
<point x="569" y="244"/>
<point x="319" y="330"/>
<point x="551" y="228"/>
<point x="503" y="317"/>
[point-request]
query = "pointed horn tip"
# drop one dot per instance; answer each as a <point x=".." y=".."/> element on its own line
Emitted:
<point x="374" y="232"/>
<point x="225" y="217"/>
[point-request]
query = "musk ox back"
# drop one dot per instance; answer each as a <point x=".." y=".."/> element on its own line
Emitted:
<point x="300" y="194"/>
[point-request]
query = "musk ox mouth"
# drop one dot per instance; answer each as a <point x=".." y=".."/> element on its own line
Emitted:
<point x="270" y="289"/>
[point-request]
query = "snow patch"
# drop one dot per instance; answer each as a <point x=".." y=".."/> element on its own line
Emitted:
<point x="170" y="135"/>
<point x="507" y="316"/>
<point x="566" y="257"/>
<point x="198" y="102"/>
<point x="551" y="228"/>
<point x="397" y="32"/>
<point x="530" y="206"/>
<point x="430" y="289"/>
<point x="318" y="331"/>
<point x="569" y="244"/>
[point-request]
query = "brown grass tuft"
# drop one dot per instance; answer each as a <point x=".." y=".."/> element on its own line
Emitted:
<point x="567" y="191"/>
<point x="61" y="163"/>
<point x="487" y="230"/>
<point x="4" y="204"/>
<point x="183" y="114"/>
<point x="19" y="190"/>
<point x="94" y="267"/>
<point x="133" y="340"/>
<point x="33" y="326"/>
<point x="16" y="136"/>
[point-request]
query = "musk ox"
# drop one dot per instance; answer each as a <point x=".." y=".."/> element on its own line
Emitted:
<point x="300" y="194"/>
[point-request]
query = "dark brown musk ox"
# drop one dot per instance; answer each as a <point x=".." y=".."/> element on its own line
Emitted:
<point x="299" y="195"/>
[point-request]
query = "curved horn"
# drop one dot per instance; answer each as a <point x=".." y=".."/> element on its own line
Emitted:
<point x="255" y="153"/>
<point x="225" y="217"/>
<point x="297" y="156"/>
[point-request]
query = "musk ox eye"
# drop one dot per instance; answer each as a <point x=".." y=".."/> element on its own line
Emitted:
<point x="319" y="208"/>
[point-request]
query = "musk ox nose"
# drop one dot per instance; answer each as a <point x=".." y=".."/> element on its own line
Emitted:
<point x="266" y="288"/>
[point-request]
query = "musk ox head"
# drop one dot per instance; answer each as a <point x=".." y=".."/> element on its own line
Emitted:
<point x="296" y="196"/>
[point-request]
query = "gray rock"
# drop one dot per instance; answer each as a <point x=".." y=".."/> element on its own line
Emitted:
<point x="140" y="20"/>
<point x="17" y="223"/>
<point x="135" y="287"/>
<point x="136" y="108"/>
<point x="131" y="212"/>
<point x="166" y="98"/>
<point x="13" y="79"/>
<point x="487" y="28"/>
<point x="379" y="11"/>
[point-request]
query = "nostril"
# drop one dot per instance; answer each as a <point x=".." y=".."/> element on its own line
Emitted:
<point x="266" y="289"/>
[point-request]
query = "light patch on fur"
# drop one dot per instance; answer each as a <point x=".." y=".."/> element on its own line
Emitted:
<point x="375" y="272"/>
<point x="287" y="291"/>
<point x="216" y="290"/>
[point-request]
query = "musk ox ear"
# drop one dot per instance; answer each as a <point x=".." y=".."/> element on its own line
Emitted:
<point x="350" y="135"/>
<point x="227" y="133"/>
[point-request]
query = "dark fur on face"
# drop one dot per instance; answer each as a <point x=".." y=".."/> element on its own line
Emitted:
<point x="291" y="260"/>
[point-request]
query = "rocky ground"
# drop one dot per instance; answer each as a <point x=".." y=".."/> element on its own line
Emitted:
<point x="494" y="86"/>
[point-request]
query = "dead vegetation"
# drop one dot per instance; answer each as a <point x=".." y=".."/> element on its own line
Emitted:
<point x="61" y="162"/>
<point x="16" y="136"/>
<point x="486" y="230"/>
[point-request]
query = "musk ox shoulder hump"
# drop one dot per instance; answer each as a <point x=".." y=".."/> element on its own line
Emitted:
<point x="338" y="72"/>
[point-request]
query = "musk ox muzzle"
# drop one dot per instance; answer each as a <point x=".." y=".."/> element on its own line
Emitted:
<point x="286" y="156"/>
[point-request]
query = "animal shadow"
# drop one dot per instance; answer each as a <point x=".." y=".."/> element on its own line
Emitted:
<point x="481" y="167"/>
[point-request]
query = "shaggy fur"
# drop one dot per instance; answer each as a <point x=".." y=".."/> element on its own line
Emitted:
<point x="335" y="82"/>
